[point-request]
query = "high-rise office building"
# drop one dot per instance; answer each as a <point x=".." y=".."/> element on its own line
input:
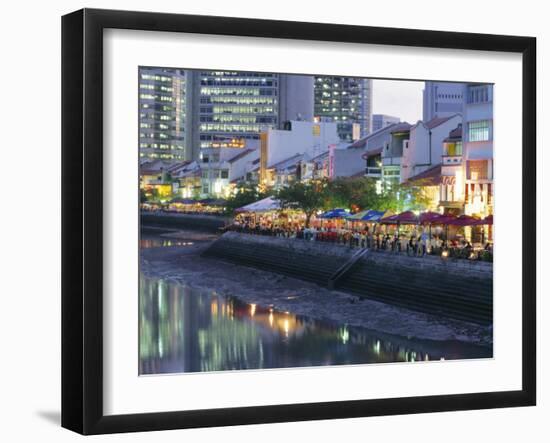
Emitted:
<point x="346" y="101"/>
<point x="162" y="113"/>
<point x="236" y="106"/>
<point x="441" y="99"/>
<point x="183" y="112"/>
<point x="380" y="121"/>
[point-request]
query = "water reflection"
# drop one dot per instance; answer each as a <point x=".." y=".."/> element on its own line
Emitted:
<point x="158" y="242"/>
<point x="184" y="330"/>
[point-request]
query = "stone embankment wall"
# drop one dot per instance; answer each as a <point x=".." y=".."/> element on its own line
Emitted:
<point x="460" y="289"/>
<point x="211" y="223"/>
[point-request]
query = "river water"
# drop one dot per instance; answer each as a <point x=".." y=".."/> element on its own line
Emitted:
<point x="188" y="330"/>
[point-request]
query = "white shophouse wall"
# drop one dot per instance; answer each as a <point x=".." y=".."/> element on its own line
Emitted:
<point x="417" y="158"/>
<point x="300" y="139"/>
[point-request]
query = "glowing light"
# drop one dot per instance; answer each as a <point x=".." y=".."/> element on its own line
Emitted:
<point x="252" y="310"/>
<point x="271" y="318"/>
<point x="445" y="253"/>
<point x="344" y="334"/>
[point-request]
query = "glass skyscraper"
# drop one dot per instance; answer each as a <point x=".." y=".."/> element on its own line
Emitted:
<point x="235" y="105"/>
<point x="162" y="113"/>
<point x="346" y="101"/>
<point x="185" y="112"/>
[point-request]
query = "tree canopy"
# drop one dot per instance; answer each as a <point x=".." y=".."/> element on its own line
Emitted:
<point x="308" y="197"/>
<point x="245" y="194"/>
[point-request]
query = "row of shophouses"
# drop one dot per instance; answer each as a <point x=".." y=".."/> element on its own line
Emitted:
<point x="450" y="156"/>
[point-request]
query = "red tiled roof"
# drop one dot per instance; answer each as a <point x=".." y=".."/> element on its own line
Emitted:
<point x="358" y="143"/>
<point x="429" y="177"/>
<point x="455" y="134"/>
<point x="240" y="155"/>
<point x="150" y="172"/>
<point x="373" y="152"/>
<point x="400" y="127"/>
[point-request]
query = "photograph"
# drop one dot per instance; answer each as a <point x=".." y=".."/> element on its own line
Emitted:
<point x="312" y="220"/>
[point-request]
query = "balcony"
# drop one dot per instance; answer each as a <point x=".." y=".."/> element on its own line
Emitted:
<point x="373" y="172"/>
<point x="451" y="160"/>
<point x="391" y="161"/>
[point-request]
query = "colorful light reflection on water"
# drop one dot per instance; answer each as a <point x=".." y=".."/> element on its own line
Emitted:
<point x="186" y="330"/>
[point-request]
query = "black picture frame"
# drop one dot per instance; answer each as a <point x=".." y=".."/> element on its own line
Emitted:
<point x="82" y="215"/>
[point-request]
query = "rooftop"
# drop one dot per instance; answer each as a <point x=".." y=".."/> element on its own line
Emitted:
<point x="436" y="121"/>
<point x="288" y="162"/>
<point x="240" y="155"/>
<point x="429" y="177"/>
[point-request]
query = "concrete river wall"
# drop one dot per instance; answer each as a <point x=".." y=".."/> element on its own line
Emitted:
<point x="211" y="223"/>
<point x="460" y="289"/>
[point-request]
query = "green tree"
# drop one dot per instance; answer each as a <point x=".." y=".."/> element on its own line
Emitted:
<point x="308" y="197"/>
<point x="245" y="194"/>
<point x="148" y="195"/>
<point x="399" y="198"/>
<point x="357" y="192"/>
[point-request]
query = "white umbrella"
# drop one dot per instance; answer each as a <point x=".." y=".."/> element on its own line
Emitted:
<point x="264" y="205"/>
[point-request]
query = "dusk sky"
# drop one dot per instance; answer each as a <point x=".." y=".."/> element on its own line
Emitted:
<point x="401" y="99"/>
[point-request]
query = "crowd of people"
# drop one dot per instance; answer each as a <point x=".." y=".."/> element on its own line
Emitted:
<point x="413" y="242"/>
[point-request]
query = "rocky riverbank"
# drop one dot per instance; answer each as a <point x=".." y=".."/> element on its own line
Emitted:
<point x="183" y="263"/>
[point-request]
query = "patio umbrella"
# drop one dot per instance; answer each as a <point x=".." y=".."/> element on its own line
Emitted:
<point x="487" y="220"/>
<point x="405" y="218"/>
<point x="367" y="216"/>
<point x="264" y="205"/>
<point x="218" y="202"/>
<point x="335" y="213"/>
<point x="435" y="218"/>
<point x="464" y="220"/>
<point x="358" y="216"/>
<point x="183" y="201"/>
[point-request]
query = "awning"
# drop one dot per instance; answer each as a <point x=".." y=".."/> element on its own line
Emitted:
<point x="335" y="213"/>
<point x="213" y="201"/>
<point x="183" y="201"/>
<point x="264" y="205"/>
<point x="367" y="216"/>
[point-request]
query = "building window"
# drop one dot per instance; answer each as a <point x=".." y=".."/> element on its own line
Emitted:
<point x="478" y="131"/>
<point x="478" y="94"/>
<point x="224" y="173"/>
<point x="478" y="169"/>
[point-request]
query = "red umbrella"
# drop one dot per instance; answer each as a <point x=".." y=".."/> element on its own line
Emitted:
<point x="464" y="220"/>
<point x="434" y="218"/>
<point x="487" y="220"/>
<point x="405" y="218"/>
